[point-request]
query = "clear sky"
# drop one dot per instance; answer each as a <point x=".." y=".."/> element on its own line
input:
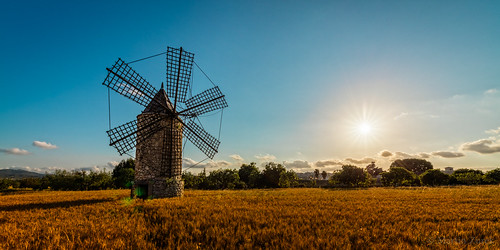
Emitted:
<point x="312" y="84"/>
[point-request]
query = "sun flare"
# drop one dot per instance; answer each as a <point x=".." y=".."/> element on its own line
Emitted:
<point x="365" y="128"/>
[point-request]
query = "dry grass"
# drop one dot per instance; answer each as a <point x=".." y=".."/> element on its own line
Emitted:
<point x="283" y="218"/>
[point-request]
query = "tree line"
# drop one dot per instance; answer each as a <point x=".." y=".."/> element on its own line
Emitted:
<point x="410" y="172"/>
<point x="406" y="172"/>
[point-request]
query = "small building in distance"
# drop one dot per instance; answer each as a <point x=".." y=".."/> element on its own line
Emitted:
<point x="448" y="170"/>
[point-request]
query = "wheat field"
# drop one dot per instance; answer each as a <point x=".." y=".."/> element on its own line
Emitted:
<point x="459" y="217"/>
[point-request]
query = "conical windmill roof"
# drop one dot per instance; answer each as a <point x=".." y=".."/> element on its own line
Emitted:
<point x="159" y="103"/>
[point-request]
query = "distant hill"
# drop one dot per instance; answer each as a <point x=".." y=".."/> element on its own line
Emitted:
<point x="18" y="174"/>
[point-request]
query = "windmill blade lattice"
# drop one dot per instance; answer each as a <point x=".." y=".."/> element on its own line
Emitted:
<point x="201" y="139"/>
<point x="125" y="81"/>
<point x="204" y="102"/>
<point x="179" y="66"/>
<point x="126" y="136"/>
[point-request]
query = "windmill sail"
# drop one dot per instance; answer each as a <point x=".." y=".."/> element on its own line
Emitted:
<point x="125" y="81"/>
<point x="201" y="139"/>
<point x="204" y="102"/>
<point x="124" y="137"/>
<point x="179" y="66"/>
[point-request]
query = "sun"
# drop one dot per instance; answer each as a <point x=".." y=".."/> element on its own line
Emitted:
<point x="365" y="128"/>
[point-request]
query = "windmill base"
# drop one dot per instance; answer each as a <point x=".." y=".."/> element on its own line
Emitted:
<point x="159" y="188"/>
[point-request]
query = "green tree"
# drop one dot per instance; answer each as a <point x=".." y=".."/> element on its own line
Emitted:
<point x="492" y="176"/>
<point x="350" y="176"/>
<point x="417" y="166"/>
<point x="397" y="176"/>
<point x="288" y="179"/>
<point x="224" y="179"/>
<point x="373" y="170"/>
<point x="316" y="174"/>
<point x="250" y="175"/>
<point x="467" y="177"/>
<point x="123" y="173"/>
<point x="434" y="177"/>
<point x="271" y="174"/>
<point x="324" y="174"/>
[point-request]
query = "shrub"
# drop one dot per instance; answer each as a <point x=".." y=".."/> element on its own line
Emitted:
<point x="434" y="177"/>
<point x="350" y="176"/>
<point x="397" y="176"/>
<point x="467" y="177"/>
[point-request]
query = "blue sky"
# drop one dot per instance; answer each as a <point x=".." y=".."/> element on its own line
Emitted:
<point x="300" y="77"/>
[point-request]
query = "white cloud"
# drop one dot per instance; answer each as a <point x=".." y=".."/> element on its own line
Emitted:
<point x="236" y="157"/>
<point x="483" y="146"/>
<point x="447" y="154"/>
<point x="44" y="145"/>
<point x="190" y="163"/>
<point x="493" y="131"/>
<point x="490" y="91"/>
<point x="43" y="170"/>
<point x="266" y="157"/>
<point x="385" y="153"/>
<point x="112" y="164"/>
<point x="402" y="115"/>
<point x="365" y="160"/>
<point x="14" y="151"/>
<point x="325" y="163"/>
<point x="297" y="164"/>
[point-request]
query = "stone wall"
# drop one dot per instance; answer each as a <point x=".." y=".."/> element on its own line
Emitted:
<point x="159" y="158"/>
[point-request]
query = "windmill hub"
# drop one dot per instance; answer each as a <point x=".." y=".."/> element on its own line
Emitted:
<point x="158" y="131"/>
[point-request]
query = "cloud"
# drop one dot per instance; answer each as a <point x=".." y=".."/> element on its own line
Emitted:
<point x="112" y="164"/>
<point x="493" y="131"/>
<point x="190" y="163"/>
<point x="14" y="151"/>
<point x="43" y="170"/>
<point x="361" y="161"/>
<point x="446" y="154"/>
<point x="236" y="157"/>
<point x="321" y="164"/>
<point x="44" y="145"/>
<point x="424" y="155"/>
<point x="266" y="157"/>
<point x="297" y="164"/>
<point x="402" y="115"/>
<point x="483" y="146"/>
<point x="130" y="89"/>
<point x="490" y="91"/>
<point x="403" y="155"/>
<point x="385" y="153"/>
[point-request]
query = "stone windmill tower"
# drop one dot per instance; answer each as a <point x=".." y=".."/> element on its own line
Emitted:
<point x="157" y="133"/>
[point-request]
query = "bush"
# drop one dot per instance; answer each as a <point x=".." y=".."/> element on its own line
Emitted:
<point x="271" y="174"/>
<point x="224" y="179"/>
<point x="492" y="176"/>
<point x="416" y="166"/>
<point x="350" y="176"/>
<point x="123" y="173"/>
<point x="250" y="175"/>
<point x="288" y="179"/>
<point x="397" y="176"/>
<point x="434" y="177"/>
<point x="467" y="177"/>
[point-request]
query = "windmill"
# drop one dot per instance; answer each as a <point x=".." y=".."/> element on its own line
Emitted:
<point x="158" y="131"/>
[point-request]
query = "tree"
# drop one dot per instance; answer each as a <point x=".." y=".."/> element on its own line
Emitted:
<point x="271" y="174"/>
<point x="492" y="176"/>
<point x="249" y="174"/>
<point x="223" y="179"/>
<point x="417" y="166"/>
<point x="467" y="176"/>
<point x="288" y="179"/>
<point x="123" y="173"/>
<point x="434" y="177"/>
<point x="373" y="170"/>
<point x="316" y="174"/>
<point x="324" y="174"/>
<point x="397" y="176"/>
<point x="350" y="176"/>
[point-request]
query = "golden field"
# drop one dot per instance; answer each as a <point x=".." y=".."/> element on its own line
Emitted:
<point x="460" y="217"/>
